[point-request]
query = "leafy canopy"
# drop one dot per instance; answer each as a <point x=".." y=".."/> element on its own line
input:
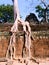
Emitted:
<point x="6" y="13"/>
<point x="40" y="11"/>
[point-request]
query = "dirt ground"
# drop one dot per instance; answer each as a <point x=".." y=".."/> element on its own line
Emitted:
<point x="42" y="62"/>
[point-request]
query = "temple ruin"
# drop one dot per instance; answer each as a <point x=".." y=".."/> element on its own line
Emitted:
<point x="23" y="43"/>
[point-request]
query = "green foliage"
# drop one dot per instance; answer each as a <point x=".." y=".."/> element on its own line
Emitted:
<point x="6" y="13"/>
<point x="40" y="11"/>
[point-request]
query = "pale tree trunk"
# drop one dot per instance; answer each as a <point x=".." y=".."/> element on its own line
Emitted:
<point x="14" y="29"/>
<point x="16" y="10"/>
<point x="18" y="20"/>
<point x="16" y="16"/>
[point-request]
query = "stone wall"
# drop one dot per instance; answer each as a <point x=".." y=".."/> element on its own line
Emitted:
<point x="39" y="45"/>
<point x="4" y="41"/>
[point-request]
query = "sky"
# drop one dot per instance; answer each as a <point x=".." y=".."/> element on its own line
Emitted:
<point x="25" y="6"/>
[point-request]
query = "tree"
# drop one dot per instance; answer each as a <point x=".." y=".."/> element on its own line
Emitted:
<point x="16" y="9"/>
<point x="6" y="13"/>
<point x="42" y="12"/>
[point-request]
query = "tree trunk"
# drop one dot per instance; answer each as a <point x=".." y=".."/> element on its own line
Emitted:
<point x="24" y="24"/>
<point x="16" y="10"/>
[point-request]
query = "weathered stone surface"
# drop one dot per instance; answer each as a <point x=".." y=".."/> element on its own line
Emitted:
<point x="19" y="46"/>
<point x="3" y="45"/>
<point x="39" y="45"/>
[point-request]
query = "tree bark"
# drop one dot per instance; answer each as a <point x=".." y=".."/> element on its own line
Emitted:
<point x="16" y="9"/>
<point x="17" y="20"/>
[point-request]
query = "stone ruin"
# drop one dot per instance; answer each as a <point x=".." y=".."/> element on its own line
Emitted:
<point x="29" y="45"/>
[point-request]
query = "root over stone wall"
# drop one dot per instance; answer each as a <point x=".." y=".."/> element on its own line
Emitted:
<point x="39" y="45"/>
